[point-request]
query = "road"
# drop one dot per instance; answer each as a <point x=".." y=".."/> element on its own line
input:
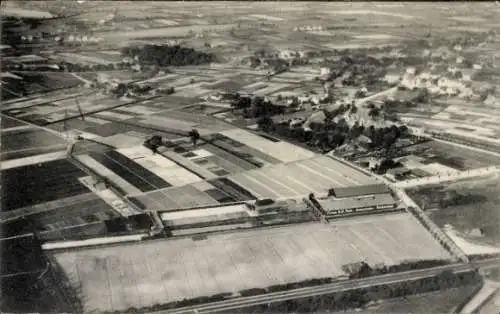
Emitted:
<point x="329" y="288"/>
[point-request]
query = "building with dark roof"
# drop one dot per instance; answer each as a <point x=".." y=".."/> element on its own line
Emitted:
<point x="334" y="207"/>
<point x="360" y="190"/>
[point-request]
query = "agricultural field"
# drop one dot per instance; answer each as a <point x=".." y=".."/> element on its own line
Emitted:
<point x="118" y="277"/>
<point x="471" y="207"/>
<point x="455" y="156"/>
<point x="434" y="302"/>
<point x="299" y="178"/>
<point x="39" y="183"/>
<point x="28" y="142"/>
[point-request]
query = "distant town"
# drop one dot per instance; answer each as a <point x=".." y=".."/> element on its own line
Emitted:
<point x="167" y="157"/>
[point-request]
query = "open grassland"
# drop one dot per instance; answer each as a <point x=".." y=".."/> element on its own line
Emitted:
<point x="434" y="302"/>
<point x="471" y="206"/>
<point x="118" y="277"/>
<point x="459" y="157"/>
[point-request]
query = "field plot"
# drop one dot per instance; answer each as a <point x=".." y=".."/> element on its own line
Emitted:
<point x="165" y="22"/>
<point x="39" y="183"/>
<point x="117" y="127"/>
<point x="61" y="109"/>
<point x="433" y="302"/>
<point x="146" y="273"/>
<point x="8" y="123"/>
<point x="457" y="157"/>
<point x="173" y="198"/>
<point x="43" y="82"/>
<point x="471" y="207"/>
<point x="193" y="90"/>
<point x="28" y="142"/>
<point x="69" y="212"/>
<point x="89" y="58"/>
<point x="175" y="31"/>
<point x="314" y="175"/>
<point x="160" y="165"/>
<point x="271" y="88"/>
<point x="121" y="76"/>
<point x="131" y="171"/>
<point x="40" y="99"/>
<point x="280" y="150"/>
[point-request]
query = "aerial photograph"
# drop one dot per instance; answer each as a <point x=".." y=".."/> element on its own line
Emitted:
<point x="175" y="157"/>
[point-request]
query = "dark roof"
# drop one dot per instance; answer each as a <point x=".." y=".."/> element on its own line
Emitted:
<point x="330" y="204"/>
<point x="360" y="190"/>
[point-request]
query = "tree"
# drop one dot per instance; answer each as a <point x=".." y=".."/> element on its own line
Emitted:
<point x="194" y="135"/>
<point x="359" y="94"/>
<point x="423" y="96"/>
<point x="265" y="123"/>
<point x="374" y="112"/>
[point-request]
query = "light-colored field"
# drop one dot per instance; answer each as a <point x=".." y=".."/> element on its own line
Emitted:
<point x="118" y="277"/>
<point x="166" y="22"/>
<point x="114" y="115"/>
<point x="467" y="19"/>
<point x="314" y="175"/>
<point x="140" y="110"/>
<point x="176" y="31"/>
<point x="79" y="58"/>
<point x="106" y="172"/>
<point x="372" y="12"/>
<point x="283" y="151"/>
<point x="271" y="88"/>
<point x="358" y="45"/>
<point x="374" y="36"/>
<point x="169" y="123"/>
<point x="470" y="248"/>
<point x="161" y="166"/>
<point x="266" y="17"/>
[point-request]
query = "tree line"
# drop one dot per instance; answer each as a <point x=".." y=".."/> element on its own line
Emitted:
<point x="165" y="55"/>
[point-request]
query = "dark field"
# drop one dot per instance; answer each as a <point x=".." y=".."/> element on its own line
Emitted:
<point x="35" y="184"/>
<point x="29" y="143"/>
<point x="138" y="176"/>
<point x="7" y="122"/>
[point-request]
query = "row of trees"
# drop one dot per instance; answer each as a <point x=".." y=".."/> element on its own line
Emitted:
<point x="355" y="69"/>
<point x="256" y="107"/>
<point x="165" y="55"/>
<point x="330" y="134"/>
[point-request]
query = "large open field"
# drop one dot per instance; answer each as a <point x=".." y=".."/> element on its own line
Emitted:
<point x="456" y="156"/>
<point x="433" y="302"/>
<point x="118" y="277"/>
<point x="313" y="175"/>
<point x="470" y="206"/>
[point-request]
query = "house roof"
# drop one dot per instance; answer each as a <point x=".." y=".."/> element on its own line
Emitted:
<point x="353" y="191"/>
